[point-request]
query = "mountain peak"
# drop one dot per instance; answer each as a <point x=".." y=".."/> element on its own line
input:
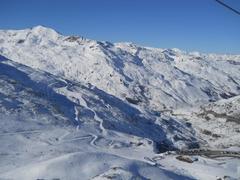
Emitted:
<point x="43" y="31"/>
<point x="41" y="28"/>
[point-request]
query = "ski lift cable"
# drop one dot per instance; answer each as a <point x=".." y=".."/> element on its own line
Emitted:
<point x="227" y="6"/>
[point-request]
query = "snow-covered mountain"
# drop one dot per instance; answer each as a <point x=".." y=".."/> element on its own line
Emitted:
<point x="156" y="78"/>
<point x="67" y="103"/>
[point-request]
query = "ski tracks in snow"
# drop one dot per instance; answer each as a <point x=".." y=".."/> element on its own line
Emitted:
<point x="81" y="101"/>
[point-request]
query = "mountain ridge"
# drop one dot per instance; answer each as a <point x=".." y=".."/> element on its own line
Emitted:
<point x="126" y="69"/>
<point x="47" y="29"/>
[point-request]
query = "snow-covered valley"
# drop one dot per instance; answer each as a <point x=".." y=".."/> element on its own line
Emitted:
<point x="73" y="108"/>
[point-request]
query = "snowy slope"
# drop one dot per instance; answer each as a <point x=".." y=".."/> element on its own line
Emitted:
<point x="217" y="123"/>
<point x="53" y="128"/>
<point x="49" y="124"/>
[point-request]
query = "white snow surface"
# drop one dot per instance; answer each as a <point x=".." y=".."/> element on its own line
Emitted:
<point x="74" y="108"/>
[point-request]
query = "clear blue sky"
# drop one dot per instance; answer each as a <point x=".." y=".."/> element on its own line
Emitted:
<point x="201" y="25"/>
